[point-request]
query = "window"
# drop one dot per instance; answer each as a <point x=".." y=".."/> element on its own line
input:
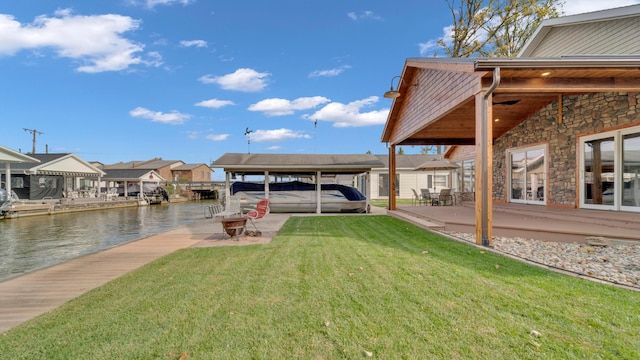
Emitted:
<point x="527" y="174"/>
<point x="383" y="185"/>
<point x="610" y="170"/>
<point x="468" y="175"/>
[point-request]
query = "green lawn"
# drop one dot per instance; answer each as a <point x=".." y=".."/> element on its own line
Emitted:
<point x="334" y="287"/>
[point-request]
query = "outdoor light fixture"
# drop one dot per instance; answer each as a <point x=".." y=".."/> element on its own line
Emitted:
<point x="392" y="94"/>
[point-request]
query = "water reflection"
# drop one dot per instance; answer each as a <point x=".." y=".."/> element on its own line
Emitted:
<point x="31" y="243"/>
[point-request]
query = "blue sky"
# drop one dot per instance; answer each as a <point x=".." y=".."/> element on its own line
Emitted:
<point x="183" y="80"/>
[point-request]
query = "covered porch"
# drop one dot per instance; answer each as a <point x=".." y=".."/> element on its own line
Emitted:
<point x="480" y="102"/>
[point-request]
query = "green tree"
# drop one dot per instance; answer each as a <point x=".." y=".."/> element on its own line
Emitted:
<point x="496" y="28"/>
<point x="400" y="151"/>
<point x="432" y="149"/>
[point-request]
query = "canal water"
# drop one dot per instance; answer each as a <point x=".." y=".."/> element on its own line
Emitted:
<point x="32" y="243"/>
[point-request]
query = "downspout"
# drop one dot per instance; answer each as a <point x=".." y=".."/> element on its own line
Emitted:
<point x="484" y="196"/>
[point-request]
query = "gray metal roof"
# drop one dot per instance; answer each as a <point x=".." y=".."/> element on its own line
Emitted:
<point x="66" y="164"/>
<point x="128" y="174"/>
<point x="152" y="164"/>
<point x="10" y="156"/>
<point x="612" y="31"/>
<point x="408" y="162"/>
<point x="257" y="164"/>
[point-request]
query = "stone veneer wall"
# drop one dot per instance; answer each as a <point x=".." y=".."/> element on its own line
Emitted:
<point x="581" y="115"/>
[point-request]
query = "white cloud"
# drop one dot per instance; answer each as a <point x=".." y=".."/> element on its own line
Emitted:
<point x="96" y="40"/>
<point x="430" y="47"/>
<point x="330" y="72"/>
<point x="214" y="103"/>
<point x="572" y="7"/>
<point x="193" y="135"/>
<point x="243" y="79"/>
<point x="275" y="147"/>
<point x="350" y="115"/>
<point x="173" y="118"/>
<point x="217" y="137"/>
<point x="280" y="107"/>
<point x="364" y="15"/>
<point x="152" y="3"/>
<point x="277" y="135"/>
<point x="196" y="43"/>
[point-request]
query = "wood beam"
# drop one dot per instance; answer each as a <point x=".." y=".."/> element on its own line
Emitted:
<point x="484" y="163"/>
<point x="559" y="109"/>
<point x="392" y="177"/>
<point x="554" y="85"/>
<point x="437" y="141"/>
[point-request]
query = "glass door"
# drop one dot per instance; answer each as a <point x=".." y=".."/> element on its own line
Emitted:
<point x="610" y="170"/>
<point x="630" y="171"/>
<point x="527" y="175"/>
<point x="598" y="185"/>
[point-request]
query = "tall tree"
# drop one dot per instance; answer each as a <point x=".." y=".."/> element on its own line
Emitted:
<point x="518" y="20"/>
<point x="497" y="28"/>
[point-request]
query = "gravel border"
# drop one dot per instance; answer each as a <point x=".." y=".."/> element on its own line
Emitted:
<point x="599" y="260"/>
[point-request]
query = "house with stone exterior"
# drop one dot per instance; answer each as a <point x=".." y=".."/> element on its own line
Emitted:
<point x="557" y="126"/>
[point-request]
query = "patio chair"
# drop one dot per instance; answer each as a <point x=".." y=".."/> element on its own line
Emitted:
<point x="258" y="212"/>
<point x="444" y="198"/>
<point x="416" y="198"/>
<point x="426" y="196"/>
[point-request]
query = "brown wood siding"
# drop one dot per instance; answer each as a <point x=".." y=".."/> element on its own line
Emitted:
<point x="613" y="37"/>
<point x="460" y="153"/>
<point x="437" y="93"/>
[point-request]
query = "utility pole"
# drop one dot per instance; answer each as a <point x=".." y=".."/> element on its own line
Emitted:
<point x="33" y="132"/>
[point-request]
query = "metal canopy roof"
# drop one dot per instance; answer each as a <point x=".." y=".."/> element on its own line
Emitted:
<point x="257" y="164"/>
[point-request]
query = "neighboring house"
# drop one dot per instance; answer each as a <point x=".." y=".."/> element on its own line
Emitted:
<point x="170" y="170"/>
<point x="558" y="126"/>
<point x="162" y="167"/>
<point x="191" y="173"/>
<point x="53" y="177"/>
<point x="407" y="177"/>
<point x="8" y="157"/>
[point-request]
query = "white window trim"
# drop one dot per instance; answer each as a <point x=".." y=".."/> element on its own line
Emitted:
<point x="545" y="149"/>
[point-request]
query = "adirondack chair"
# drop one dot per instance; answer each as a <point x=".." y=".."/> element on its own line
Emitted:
<point x="230" y="209"/>
<point x="261" y="209"/>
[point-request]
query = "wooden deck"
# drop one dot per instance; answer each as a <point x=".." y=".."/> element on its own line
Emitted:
<point x="531" y="221"/>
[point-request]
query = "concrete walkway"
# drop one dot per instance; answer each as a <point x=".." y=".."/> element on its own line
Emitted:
<point x="33" y="294"/>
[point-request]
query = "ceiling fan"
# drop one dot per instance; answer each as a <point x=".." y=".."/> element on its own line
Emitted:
<point x="506" y="102"/>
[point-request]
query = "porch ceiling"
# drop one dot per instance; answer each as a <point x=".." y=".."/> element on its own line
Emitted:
<point x="522" y="92"/>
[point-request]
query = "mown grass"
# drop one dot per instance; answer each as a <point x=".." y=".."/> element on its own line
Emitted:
<point x="338" y="287"/>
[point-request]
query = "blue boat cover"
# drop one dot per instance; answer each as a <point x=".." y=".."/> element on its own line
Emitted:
<point x="351" y="193"/>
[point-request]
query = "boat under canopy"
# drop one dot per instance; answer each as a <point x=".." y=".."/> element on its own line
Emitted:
<point x="300" y="197"/>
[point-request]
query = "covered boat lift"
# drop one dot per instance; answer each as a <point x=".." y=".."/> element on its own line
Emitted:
<point x="313" y="166"/>
<point x="134" y="177"/>
<point x="8" y="156"/>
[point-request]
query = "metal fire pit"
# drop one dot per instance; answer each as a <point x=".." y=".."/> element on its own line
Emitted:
<point x="234" y="226"/>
